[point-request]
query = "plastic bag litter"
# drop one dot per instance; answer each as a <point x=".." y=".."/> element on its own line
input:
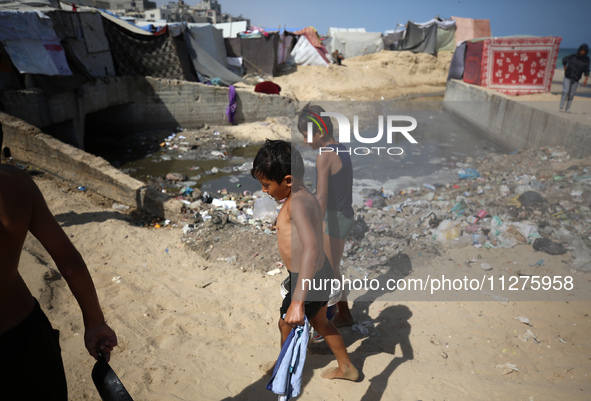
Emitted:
<point x="264" y="208"/>
<point x="529" y="231"/>
<point x="466" y="173"/>
<point x="447" y="231"/>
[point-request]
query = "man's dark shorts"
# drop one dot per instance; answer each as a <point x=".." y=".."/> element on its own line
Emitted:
<point x="31" y="366"/>
<point x="315" y="299"/>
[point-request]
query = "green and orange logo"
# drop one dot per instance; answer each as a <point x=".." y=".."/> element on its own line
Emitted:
<point x="316" y="119"/>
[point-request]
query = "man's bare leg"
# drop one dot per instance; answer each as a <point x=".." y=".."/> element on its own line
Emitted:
<point x="333" y="338"/>
<point x="334" y="247"/>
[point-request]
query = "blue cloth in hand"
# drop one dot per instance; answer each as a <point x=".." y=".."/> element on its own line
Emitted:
<point x="287" y="374"/>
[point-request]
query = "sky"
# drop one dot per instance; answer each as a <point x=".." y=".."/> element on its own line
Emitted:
<point x="569" y="19"/>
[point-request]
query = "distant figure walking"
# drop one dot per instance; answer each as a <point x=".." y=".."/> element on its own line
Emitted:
<point x="575" y="65"/>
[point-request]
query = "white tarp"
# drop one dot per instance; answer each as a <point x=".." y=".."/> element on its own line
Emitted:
<point x="29" y="5"/>
<point x="304" y="53"/>
<point x="353" y="44"/>
<point x="32" y="44"/>
<point x="445" y="24"/>
<point x="232" y="29"/>
<point x="332" y="30"/>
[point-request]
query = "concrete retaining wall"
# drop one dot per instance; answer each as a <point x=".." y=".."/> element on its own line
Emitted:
<point x="191" y="104"/>
<point x="515" y="124"/>
<point x="164" y="103"/>
<point x="138" y="103"/>
<point x="30" y="145"/>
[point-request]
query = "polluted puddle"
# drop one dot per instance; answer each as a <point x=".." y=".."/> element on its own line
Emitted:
<point x="180" y="160"/>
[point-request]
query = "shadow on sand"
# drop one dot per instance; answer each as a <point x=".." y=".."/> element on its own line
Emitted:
<point x="390" y="328"/>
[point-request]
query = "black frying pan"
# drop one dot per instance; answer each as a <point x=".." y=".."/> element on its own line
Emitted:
<point x="107" y="383"/>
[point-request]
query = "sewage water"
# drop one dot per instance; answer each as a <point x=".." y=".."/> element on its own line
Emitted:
<point x="213" y="161"/>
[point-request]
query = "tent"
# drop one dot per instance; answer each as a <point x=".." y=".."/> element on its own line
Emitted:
<point x="512" y="65"/>
<point x="304" y="53"/>
<point x="232" y="29"/>
<point x="259" y="55"/>
<point x="200" y="48"/>
<point x="430" y="37"/>
<point x="83" y="34"/>
<point x="332" y="30"/>
<point x="211" y="40"/>
<point x="32" y="43"/>
<point x="59" y="50"/>
<point x="143" y="54"/>
<point x="208" y="53"/>
<point x="307" y="44"/>
<point x="353" y="44"/>
<point x="287" y="41"/>
<point x="393" y="40"/>
<point x="234" y="54"/>
<point x="420" y="39"/>
<point x="456" y="67"/>
<point x="28" y="5"/>
<point x="467" y="28"/>
<point x="446" y="38"/>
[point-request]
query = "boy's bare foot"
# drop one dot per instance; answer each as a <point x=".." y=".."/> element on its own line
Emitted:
<point x="346" y="373"/>
<point x="268" y="368"/>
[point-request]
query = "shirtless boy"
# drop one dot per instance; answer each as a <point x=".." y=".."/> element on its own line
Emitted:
<point x="280" y="170"/>
<point x="31" y="365"/>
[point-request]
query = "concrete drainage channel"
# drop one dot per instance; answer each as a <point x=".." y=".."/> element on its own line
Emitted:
<point x="517" y="125"/>
<point x="182" y="103"/>
<point x="505" y="127"/>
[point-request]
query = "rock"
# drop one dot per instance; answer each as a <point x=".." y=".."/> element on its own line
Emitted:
<point x="176" y="177"/>
<point x="172" y="209"/>
<point x="548" y="246"/>
<point x="196" y="205"/>
<point x="531" y="198"/>
<point x="196" y="194"/>
<point x="378" y="202"/>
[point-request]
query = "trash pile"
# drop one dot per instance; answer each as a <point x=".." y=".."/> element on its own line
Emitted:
<point x="538" y="198"/>
<point x="224" y="225"/>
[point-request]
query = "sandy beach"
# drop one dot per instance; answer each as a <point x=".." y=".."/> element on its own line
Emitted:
<point x="197" y="319"/>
